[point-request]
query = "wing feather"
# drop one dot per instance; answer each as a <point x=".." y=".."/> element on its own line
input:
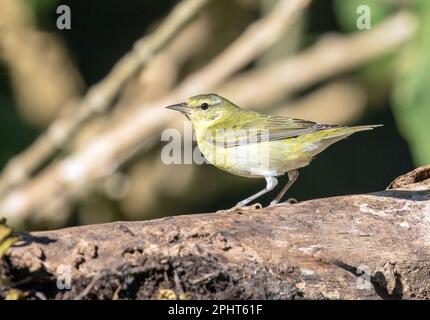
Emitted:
<point x="255" y="127"/>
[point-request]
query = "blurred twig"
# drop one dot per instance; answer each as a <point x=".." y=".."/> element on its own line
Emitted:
<point x="339" y="102"/>
<point x="256" y="39"/>
<point x="331" y="55"/>
<point x="99" y="97"/>
<point x="161" y="73"/>
<point x="69" y="176"/>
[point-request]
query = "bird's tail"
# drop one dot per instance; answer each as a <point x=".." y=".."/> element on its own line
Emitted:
<point x="346" y="131"/>
<point x="331" y="134"/>
<point x="364" y="128"/>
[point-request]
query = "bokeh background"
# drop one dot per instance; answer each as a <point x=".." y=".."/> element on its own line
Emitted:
<point x="44" y="71"/>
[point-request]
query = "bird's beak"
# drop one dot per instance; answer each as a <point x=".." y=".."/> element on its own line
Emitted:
<point x="181" y="107"/>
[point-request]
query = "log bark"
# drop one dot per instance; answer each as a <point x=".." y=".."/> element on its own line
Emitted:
<point x="369" y="246"/>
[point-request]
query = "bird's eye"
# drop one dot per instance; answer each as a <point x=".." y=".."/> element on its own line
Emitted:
<point x="204" y="106"/>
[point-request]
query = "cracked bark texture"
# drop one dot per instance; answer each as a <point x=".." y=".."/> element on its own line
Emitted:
<point x="370" y="246"/>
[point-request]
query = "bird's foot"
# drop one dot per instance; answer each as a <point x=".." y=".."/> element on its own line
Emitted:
<point x="240" y="207"/>
<point x="275" y="203"/>
<point x="292" y="201"/>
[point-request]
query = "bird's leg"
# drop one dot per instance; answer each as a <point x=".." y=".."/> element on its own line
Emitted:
<point x="292" y="177"/>
<point x="271" y="183"/>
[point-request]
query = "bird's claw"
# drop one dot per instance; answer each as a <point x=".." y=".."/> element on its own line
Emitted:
<point x="257" y="205"/>
<point x="292" y="201"/>
<point x="289" y="201"/>
<point x="254" y="206"/>
<point x="240" y="207"/>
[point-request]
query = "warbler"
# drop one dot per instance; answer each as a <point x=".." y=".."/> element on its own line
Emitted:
<point x="256" y="145"/>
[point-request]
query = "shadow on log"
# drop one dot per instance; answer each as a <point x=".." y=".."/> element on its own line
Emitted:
<point x="371" y="246"/>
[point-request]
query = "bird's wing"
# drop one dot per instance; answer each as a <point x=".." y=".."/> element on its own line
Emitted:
<point x="253" y="129"/>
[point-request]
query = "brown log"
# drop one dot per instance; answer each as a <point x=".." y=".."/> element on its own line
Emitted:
<point x="370" y="246"/>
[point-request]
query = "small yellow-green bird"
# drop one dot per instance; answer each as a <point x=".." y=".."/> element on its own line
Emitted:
<point x="256" y="145"/>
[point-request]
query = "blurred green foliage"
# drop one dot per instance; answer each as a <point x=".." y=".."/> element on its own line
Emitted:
<point x="409" y="79"/>
<point x="41" y="10"/>
<point x="15" y="134"/>
<point x="411" y="95"/>
<point x="378" y="73"/>
<point x="346" y="12"/>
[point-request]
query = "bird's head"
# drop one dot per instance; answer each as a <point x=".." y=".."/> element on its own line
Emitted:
<point x="206" y="110"/>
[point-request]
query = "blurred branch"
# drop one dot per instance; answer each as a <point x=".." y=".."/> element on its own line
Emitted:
<point x="42" y="74"/>
<point x="220" y="23"/>
<point x="331" y="55"/>
<point x="160" y="74"/>
<point x="339" y="102"/>
<point x="99" y="97"/>
<point x="67" y="178"/>
<point x="256" y="39"/>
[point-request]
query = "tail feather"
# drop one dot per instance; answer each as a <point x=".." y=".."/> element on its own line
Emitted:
<point x="343" y="132"/>
<point x="365" y="127"/>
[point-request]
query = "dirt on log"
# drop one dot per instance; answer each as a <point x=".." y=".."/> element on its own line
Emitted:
<point x="371" y="246"/>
